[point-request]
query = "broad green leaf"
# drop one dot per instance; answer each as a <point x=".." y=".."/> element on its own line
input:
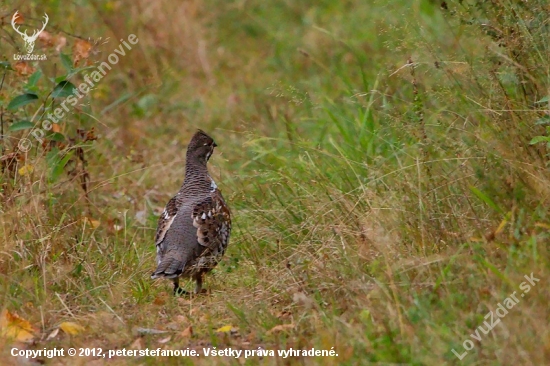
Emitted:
<point x="543" y="100"/>
<point x="56" y="136"/>
<point x="5" y="65"/>
<point x="66" y="62"/>
<point x="34" y="78"/>
<point x="21" y="125"/>
<point x="59" y="165"/>
<point x="538" y="139"/>
<point x="543" y="120"/>
<point x="63" y="89"/>
<point x="60" y="78"/>
<point x="22" y="100"/>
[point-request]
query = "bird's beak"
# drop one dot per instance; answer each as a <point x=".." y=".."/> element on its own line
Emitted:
<point x="214" y="144"/>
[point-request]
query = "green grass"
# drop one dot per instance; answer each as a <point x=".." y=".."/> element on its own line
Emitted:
<point x="376" y="156"/>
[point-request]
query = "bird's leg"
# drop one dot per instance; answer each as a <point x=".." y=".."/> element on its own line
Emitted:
<point x="198" y="279"/>
<point x="176" y="285"/>
<point x="177" y="289"/>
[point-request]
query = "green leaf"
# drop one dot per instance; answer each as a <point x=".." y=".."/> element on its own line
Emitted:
<point x="21" y="125"/>
<point x="34" y="78"/>
<point x="543" y="100"/>
<point x="58" y="165"/>
<point x="482" y="196"/>
<point x="21" y="100"/>
<point x="59" y="78"/>
<point x="538" y="139"/>
<point x="66" y="62"/>
<point x="58" y="137"/>
<point x="52" y="156"/>
<point x="5" y="65"/>
<point x="63" y="89"/>
<point x="543" y="120"/>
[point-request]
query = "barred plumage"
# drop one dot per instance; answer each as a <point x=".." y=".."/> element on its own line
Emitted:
<point x="193" y="231"/>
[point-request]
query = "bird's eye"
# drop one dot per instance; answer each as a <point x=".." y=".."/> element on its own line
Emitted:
<point x="205" y="144"/>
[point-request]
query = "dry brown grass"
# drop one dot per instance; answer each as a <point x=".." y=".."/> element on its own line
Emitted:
<point x="356" y="224"/>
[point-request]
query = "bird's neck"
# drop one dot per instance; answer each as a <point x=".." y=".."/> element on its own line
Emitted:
<point x="197" y="180"/>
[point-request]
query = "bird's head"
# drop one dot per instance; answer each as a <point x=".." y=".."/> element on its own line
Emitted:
<point x="201" y="147"/>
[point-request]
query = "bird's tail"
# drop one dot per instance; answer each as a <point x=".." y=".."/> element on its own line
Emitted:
<point x="169" y="268"/>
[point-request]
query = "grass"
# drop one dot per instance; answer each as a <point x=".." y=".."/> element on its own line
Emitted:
<point x="376" y="156"/>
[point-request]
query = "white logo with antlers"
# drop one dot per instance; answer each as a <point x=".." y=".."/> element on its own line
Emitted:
<point x="29" y="40"/>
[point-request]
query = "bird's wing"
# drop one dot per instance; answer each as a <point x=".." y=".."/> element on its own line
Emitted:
<point x="212" y="218"/>
<point x="166" y="219"/>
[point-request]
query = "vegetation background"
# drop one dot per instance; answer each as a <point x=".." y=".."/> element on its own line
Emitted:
<point x="387" y="164"/>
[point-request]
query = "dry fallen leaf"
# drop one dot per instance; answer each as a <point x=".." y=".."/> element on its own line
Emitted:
<point x="187" y="332"/>
<point x="161" y="299"/>
<point x="46" y="38"/>
<point x="93" y="223"/>
<point x="224" y="329"/>
<point x="23" y="68"/>
<point x="71" y="328"/>
<point x="280" y="328"/>
<point x="137" y="344"/>
<point x="81" y="50"/>
<point x="14" y="327"/>
<point x="56" y="127"/>
<point x="53" y="334"/>
<point x="19" y="19"/>
<point x="26" y="169"/>
<point x="60" y="42"/>
<point x="165" y="340"/>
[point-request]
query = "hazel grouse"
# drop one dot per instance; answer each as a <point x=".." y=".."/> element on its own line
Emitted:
<point x="193" y="231"/>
